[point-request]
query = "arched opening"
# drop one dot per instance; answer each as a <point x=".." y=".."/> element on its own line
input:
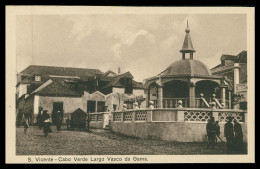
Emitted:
<point x="208" y="88"/>
<point x="173" y="91"/>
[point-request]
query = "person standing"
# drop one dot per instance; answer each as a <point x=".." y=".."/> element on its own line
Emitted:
<point x="211" y="132"/>
<point x="238" y="139"/>
<point x="46" y="123"/>
<point x="39" y="117"/>
<point x="229" y="134"/>
<point x="25" y="122"/>
<point x="218" y="132"/>
<point x="58" y="121"/>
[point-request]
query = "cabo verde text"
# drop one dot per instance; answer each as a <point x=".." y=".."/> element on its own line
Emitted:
<point x="89" y="159"/>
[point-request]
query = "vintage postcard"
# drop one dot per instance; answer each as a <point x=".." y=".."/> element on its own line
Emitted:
<point x="111" y="84"/>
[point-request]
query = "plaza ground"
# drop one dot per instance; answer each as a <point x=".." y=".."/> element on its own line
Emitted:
<point x="102" y="142"/>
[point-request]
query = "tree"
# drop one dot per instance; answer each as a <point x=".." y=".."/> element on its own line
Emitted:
<point x="120" y="97"/>
<point x="139" y="99"/>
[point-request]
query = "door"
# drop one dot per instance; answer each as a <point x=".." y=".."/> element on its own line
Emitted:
<point x="57" y="106"/>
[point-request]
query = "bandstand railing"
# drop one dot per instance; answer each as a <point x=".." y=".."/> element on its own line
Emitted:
<point x="178" y="115"/>
<point x="172" y="102"/>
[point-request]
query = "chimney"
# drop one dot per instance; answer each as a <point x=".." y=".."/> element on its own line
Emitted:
<point x="118" y="71"/>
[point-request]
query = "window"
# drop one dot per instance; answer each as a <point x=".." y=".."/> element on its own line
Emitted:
<point x="100" y="106"/>
<point x="128" y="86"/>
<point x="37" y="78"/>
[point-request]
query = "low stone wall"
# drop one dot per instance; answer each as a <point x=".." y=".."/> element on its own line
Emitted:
<point x="96" y="125"/>
<point x="183" y="125"/>
<point x="170" y="131"/>
<point x="99" y="120"/>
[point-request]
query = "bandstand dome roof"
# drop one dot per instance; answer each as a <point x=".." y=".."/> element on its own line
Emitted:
<point x="187" y="67"/>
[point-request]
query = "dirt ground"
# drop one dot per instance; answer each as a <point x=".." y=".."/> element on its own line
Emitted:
<point x="102" y="142"/>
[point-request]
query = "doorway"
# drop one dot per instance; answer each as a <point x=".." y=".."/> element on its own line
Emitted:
<point x="91" y="106"/>
<point x="57" y="106"/>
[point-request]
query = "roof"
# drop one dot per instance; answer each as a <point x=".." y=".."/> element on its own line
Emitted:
<point x="79" y="110"/>
<point x="115" y="81"/>
<point x="242" y="57"/>
<point x="110" y="71"/>
<point x="60" y="71"/>
<point x="219" y="65"/>
<point x="54" y="88"/>
<point x="187" y="44"/>
<point x="228" y="57"/>
<point x="187" y="67"/>
<point x="30" y="79"/>
<point x="117" y="78"/>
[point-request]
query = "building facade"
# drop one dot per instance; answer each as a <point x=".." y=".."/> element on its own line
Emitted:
<point x="67" y="89"/>
<point x="234" y="68"/>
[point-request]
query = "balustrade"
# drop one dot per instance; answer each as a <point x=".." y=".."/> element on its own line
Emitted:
<point x="117" y="116"/>
<point x="100" y="117"/>
<point x="239" y="116"/>
<point x="141" y="115"/>
<point x="197" y="115"/>
<point x="176" y="114"/>
<point x="172" y="102"/>
<point x="128" y="116"/>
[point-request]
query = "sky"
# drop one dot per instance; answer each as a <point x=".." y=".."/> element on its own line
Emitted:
<point x="145" y="45"/>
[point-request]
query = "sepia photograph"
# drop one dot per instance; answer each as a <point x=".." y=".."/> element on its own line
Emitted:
<point x="126" y="84"/>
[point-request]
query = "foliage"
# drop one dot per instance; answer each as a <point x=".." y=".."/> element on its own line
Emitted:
<point x="237" y="98"/>
<point x="139" y="99"/>
<point x="120" y="97"/>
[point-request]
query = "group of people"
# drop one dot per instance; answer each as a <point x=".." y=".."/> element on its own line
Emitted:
<point x="44" y="120"/>
<point x="232" y="132"/>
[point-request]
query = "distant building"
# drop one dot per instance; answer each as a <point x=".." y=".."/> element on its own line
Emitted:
<point x="67" y="89"/>
<point x="234" y="67"/>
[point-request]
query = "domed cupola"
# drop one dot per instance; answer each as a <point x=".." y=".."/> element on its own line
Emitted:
<point x="187" y="66"/>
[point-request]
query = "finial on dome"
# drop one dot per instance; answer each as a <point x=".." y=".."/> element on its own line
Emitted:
<point x="187" y="44"/>
<point x="187" y="30"/>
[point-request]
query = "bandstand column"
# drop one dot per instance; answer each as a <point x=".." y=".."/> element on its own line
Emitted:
<point x="160" y="97"/>
<point x="229" y="100"/>
<point x="192" y="95"/>
<point x="223" y="95"/>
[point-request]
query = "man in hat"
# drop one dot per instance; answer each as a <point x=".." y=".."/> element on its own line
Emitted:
<point x="229" y="133"/>
<point x="238" y="139"/>
<point x="59" y="117"/>
<point x="39" y="117"/>
<point x="211" y="132"/>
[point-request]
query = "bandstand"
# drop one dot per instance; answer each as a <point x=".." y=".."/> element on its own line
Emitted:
<point x="203" y="96"/>
<point x="188" y="80"/>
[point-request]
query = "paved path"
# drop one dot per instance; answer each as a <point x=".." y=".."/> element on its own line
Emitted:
<point x="101" y="142"/>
